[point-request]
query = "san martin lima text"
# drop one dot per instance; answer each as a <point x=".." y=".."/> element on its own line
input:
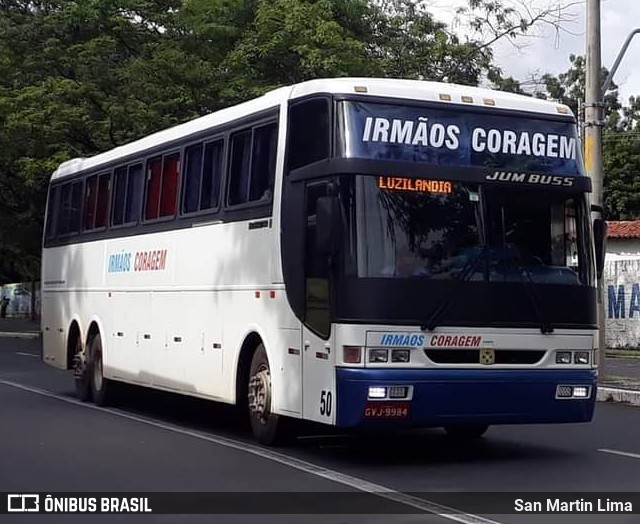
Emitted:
<point x="573" y="506"/>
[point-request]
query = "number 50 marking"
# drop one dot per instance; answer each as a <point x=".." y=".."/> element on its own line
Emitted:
<point x="325" y="403"/>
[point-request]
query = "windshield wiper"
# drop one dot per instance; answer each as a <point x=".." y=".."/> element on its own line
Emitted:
<point x="465" y="274"/>
<point x="545" y="327"/>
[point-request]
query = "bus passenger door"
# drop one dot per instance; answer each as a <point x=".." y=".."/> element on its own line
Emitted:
<point x="318" y="350"/>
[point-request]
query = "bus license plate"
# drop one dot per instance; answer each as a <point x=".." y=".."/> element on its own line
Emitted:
<point x="386" y="410"/>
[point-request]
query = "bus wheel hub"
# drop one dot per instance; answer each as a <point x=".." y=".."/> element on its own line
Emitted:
<point x="260" y="394"/>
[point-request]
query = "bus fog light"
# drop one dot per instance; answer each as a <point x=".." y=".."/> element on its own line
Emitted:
<point x="400" y="355"/>
<point x="379" y="355"/>
<point x="351" y="354"/>
<point x="377" y="392"/>
<point x="564" y="392"/>
<point x="580" y="391"/>
<point x="398" y="392"/>
<point x="563" y="357"/>
<point x="581" y="357"/>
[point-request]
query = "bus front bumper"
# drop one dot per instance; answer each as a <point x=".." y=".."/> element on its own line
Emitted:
<point x="463" y="396"/>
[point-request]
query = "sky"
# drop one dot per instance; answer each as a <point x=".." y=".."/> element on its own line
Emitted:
<point x="547" y="50"/>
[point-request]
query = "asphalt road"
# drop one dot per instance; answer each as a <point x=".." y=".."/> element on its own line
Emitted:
<point x="623" y="367"/>
<point x="157" y="442"/>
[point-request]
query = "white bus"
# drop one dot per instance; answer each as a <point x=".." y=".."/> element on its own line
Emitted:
<point x="356" y="252"/>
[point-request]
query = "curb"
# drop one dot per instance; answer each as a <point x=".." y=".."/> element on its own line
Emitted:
<point x="626" y="396"/>
<point x="16" y="334"/>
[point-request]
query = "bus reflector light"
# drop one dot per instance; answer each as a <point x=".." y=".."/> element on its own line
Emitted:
<point x="398" y="392"/>
<point x="400" y="355"/>
<point x="351" y="354"/>
<point x="378" y="355"/>
<point x="564" y="391"/>
<point x="377" y="392"/>
<point x="581" y="357"/>
<point x="563" y="357"/>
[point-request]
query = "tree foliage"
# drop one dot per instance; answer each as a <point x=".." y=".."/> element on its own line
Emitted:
<point x="621" y="137"/>
<point x="78" y="77"/>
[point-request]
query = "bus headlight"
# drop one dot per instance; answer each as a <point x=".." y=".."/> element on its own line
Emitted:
<point x="378" y="355"/>
<point x="581" y="357"/>
<point x="563" y="357"/>
<point x="400" y="355"/>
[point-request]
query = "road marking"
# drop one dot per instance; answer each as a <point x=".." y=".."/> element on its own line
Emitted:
<point x="23" y="354"/>
<point x="621" y="453"/>
<point x="356" y="483"/>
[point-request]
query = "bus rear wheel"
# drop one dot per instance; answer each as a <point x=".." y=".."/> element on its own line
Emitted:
<point x="467" y="432"/>
<point x="80" y="372"/>
<point x="266" y="426"/>
<point x="101" y="388"/>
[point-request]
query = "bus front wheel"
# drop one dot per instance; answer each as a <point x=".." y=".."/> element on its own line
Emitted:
<point x="266" y="426"/>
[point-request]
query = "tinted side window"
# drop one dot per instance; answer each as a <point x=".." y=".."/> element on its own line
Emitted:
<point x="127" y="199"/>
<point x="240" y="168"/>
<point x="120" y="194"/>
<point x="70" y="208"/>
<point x="253" y="161"/>
<point x="134" y="193"/>
<point x="309" y="132"/>
<point x="169" y="189"/>
<point x="96" y="200"/>
<point x="263" y="162"/>
<point x="90" y="198"/>
<point x="162" y="186"/>
<point x="102" y="201"/>
<point x="202" y="175"/>
<point x="53" y="210"/>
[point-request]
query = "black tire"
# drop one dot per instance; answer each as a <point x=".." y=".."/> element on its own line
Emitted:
<point x="467" y="432"/>
<point x="267" y="428"/>
<point x="80" y="372"/>
<point x="101" y="388"/>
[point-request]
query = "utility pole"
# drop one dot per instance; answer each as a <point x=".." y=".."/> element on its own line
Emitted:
<point x="593" y="141"/>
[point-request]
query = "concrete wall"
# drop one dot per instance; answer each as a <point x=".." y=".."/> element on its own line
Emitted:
<point x="622" y="301"/>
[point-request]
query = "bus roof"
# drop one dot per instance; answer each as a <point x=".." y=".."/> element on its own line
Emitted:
<point x="443" y="93"/>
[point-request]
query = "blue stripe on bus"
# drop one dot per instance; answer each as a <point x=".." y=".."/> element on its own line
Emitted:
<point x="473" y="396"/>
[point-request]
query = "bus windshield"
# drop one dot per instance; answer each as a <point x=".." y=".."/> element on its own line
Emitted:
<point x="474" y="253"/>
<point x="458" y="229"/>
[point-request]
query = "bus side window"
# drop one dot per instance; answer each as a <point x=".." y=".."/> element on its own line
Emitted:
<point x="96" y="201"/>
<point x="133" y="201"/>
<point x="53" y="211"/>
<point x="127" y="198"/>
<point x="102" y="201"/>
<point x="253" y="162"/>
<point x="317" y="297"/>
<point x="90" y="198"/>
<point x="309" y="132"/>
<point x="202" y="176"/>
<point x="263" y="162"/>
<point x="70" y="208"/>
<point x="120" y="194"/>
<point x="162" y="186"/>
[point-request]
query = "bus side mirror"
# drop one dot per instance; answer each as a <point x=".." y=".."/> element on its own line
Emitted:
<point x="600" y="241"/>
<point x="327" y="225"/>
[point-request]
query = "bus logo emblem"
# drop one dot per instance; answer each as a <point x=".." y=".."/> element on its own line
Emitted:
<point x="487" y="356"/>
